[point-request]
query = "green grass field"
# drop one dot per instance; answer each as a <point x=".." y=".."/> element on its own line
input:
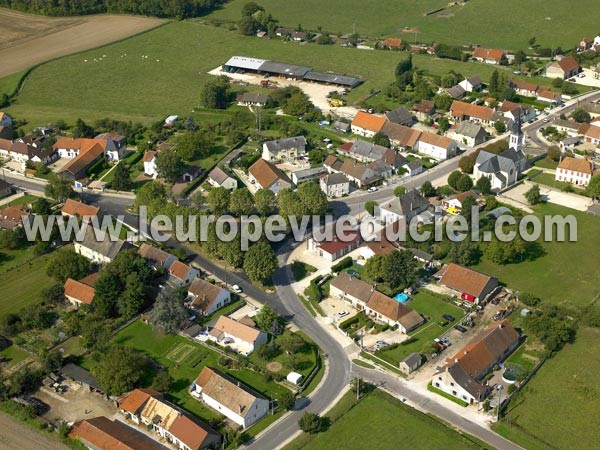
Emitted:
<point x="184" y="360"/>
<point x="383" y="422"/>
<point x="432" y="306"/>
<point x="549" y="180"/>
<point x="556" y="408"/>
<point x="126" y="86"/>
<point x="9" y="83"/>
<point x="507" y="24"/>
<point x="22" y="286"/>
<point x="567" y="273"/>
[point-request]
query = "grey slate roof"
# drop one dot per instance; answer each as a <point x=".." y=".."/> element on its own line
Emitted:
<point x="80" y="374"/>
<point x="280" y="144"/>
<point x="333" y="78"/>
<point x="469" y="129"/>
<point x="336" y="178"/>
<point x="105" y="244"/>
<point x="412" y="359"/>
<point x="284" y="69"/>
<point x="414" y="164"/>
<point x="407" y="204"/>
<point x="218" y="175"/>
<point x="400" y="115"/>
<point x="254" y="97"/>
<point x="368" y="149"/>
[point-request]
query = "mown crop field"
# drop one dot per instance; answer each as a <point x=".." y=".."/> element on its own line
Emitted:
<point x="508" y="24"/>
<point x="557" y="407"/>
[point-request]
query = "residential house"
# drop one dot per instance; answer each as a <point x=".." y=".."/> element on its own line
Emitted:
<point x="570" y="143"/>
<point x="71" y="148"/>
<point x="512" y="110"/>
<point x="411" y="363"/>
<point x="474" y="113"/>
<point x="337" y="248"/>
<point x="299" y="36"/>
<point x="98" y="246"/>
<point x="242" y="338"/>
<point x="424" y="109"/>
<point x="454" y="203"/>
<point x="592" y="108"/>
<point x="469" y="284"/>
<point x="462" y="376"/>
<point x="206" y="297"/>
<point x="147" y="407"/>
<point x="547" y="96"/>
<point x="76" y="169"/>
<point x="524" y="88"/>
<point x="471" y="84"/>
<point x="333" y="164"/>
<point x="577" y="171"/>
<point x="591" y="133"/>
<point x="157" y="259"/>
<point x="401" y="116"/>
<point x="392" y="43"/>
<point x="363" y="175"/>
<point x="27" y="149"/>
<point x="566" y="67"/>
<point x="6" y="188"/>
<point x="402" y="137"/>
<point x="285" y="149"/>
<point x="436" y="146"/>
<point x="373" y="303"/>
<point x="341" y="126"/>
<point x="190" y="173"/>
<point x="301" y="176"/>
<point x="584" y="44"/>
<point x="405" y="207"/>
<point x="267" y="176"/>
<point x="488" y="55"/>
<point x="82" y="377"/>
<point x="149" y="159"/>
<point x="252" y="99"/>
<point x="365" y="124"/>
<point x="470" y="134"/>
<point x="569" y="127"/>
<point x="80" y="210"/>
<point x="101" y="433"/>
<point x="181" y="274"/>
<point x="380" y="246"/>
<point x="335" y="185"/>
<point x="116" y="145"/>
<point x="414" y="167"/>
<point x="229" y="397"/>
<point x="456" y="91"/>
<point x="78" y="293"/>
<point x="12" y="217"/>
<point x="363" y="151"/>
<point x="219" y="178"/>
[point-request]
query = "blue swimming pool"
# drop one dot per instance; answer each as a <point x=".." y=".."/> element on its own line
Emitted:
<point x="402" y="298"/>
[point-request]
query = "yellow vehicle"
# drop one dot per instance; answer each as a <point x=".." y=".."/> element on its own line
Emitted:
<point x="336" y="102"/>
<point x="453" y="210"/>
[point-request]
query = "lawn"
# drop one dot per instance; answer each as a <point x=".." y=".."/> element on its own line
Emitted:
<point x="9" y="83"/>
<point x="23" y="285"/>
<point x="430" y="305"/>
<point x="383" y="422"/>
<point x="546" y="163"/>
<point x="14" y="355"/>
<point x="513" y="22"/>
<point x="301" y="270"/>
<point x="556" y="408"/>
<point x="548" y="179"/>
<point x="24" y="200"/>
<point x="125" y="86"/>
<point x="184" y="360"/>
<point x="568" y="271"/>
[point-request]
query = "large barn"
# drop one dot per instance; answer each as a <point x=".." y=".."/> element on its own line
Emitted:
<point x="241" y="64"/>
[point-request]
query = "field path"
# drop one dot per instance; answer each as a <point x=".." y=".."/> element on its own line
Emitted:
<point x="82" y="33"/>
<point x="14" y="434"/>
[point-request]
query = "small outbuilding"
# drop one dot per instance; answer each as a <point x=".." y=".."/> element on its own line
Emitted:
<point x="294" y="378"/>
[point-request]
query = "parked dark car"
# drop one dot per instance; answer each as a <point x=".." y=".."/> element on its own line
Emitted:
<point x="448" y="317"/>
<point x="460" y="328"/>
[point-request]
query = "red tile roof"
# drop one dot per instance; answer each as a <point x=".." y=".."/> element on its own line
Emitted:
<point x="465" y="280"/>
<point x="75" y="208"/>
<point x="576" y="165"/>
<point x="488" y="53"/>
<point x="368" y="121"/>
<point x="462" y="109"/>
<point x="179" y="270"/>
<point x="392" y="42"/>
<point x="79" y="291"/>
<point x="336" y="245"/>
<point x="266" y="173"/>
<point x="104" y="434"/>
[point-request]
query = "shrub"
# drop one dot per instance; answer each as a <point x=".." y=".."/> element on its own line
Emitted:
<point x="344" y="263"/>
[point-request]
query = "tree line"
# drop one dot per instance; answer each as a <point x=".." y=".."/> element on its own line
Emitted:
<point x="180" y="9"/>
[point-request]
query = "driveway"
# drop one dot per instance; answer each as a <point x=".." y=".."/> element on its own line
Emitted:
<point x="551" y="195"/>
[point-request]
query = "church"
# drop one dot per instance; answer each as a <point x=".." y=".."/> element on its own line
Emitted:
<point x="503" y="170"/>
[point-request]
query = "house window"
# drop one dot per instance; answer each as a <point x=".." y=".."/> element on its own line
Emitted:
<point x="451" y="384"/>
<point x="440" y="378"/>
<point x="464" y="397"/>
<point x="453" y="392"/>
<point x="437" y="384"/>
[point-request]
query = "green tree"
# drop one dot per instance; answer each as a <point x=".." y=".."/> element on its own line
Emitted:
<point x="580" y="115"/>
<point x="108" y="290"/>
<point x="324" y="39"/>
<point x="162" y="381"/>
<point x="67" y="263"/>
<point x="443" y="124"/>
<point x="399" y="190"/>
<point x="483" y="185"/>
<point x="554" y="153"/>
<point x="427" y="189"/>
<point x="289" y="204"/>
<point x="218" y="200"/>
<point x="311" y="423"/>
<point x="169" y="165"/>
<point x="53" y="295"/>
<point x="381" y="139"/>
<point x="169" y="312"/>
<point x="291" y="343"/>
<point x="118" y="369"/>
<point x="122" y="178"/>
<point x="453" y="179"/>
<point x="266" y="317"/>
<point x="241" y="202"/>
<point x="132" y="300"/>
<point x="59" y="188"/>
<point x="191" y="145"/>
<point x="374" y="268"/>
<point x="370" y="207"/>
<point x="312" y="197"/>
<point x="404" y="72"/>
<point x="298" y="104"/>
<point x="494" y="84"/>
<point x="152" y="195"/>
<point x="265" y="202"/>
<point x="443" y="102"/>
<point x="400" y="269"/>
<point x="593" y="188"/>
<point x="464" y="183"/>
<point x="215" y="94"/>
<point x="42" y="207"/>
<point x="520" y="57"/>
<point x="287" y="401"/>
<point x="533" y="195"/>
<point x="251" y="8"/>
<point x="197" y="199"/>
<point x="465" y="253"/>
<point x="260" y="262"/>
<point x="500" y="126"/>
